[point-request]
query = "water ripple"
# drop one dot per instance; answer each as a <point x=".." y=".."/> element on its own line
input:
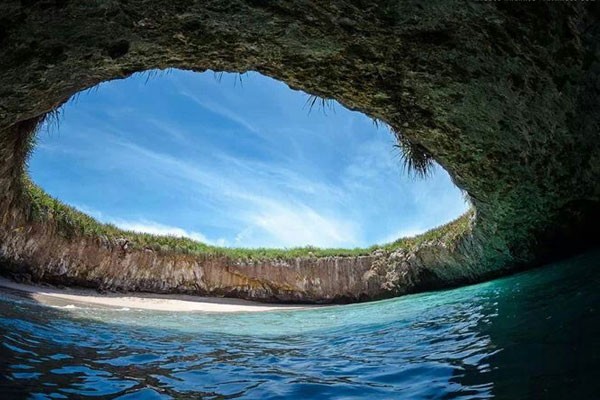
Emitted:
<point x="534" y="335"/>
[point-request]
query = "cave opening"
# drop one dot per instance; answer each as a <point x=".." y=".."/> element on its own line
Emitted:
<point x="517" y="134"/>
<point x="236" y="160"/>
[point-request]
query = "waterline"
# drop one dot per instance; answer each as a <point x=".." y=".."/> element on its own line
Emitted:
<point x="532" y="335"/>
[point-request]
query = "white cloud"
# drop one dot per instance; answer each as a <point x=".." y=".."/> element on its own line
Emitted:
<point x="274" y="205"/>
<point x="270" y="224"/>
<point x="403" y="233"/>
<point x="277" y="206"/>
<point x="151" y="227"/>
<point x="172" y="130"/>
<point x="222" y="111"/>
<point x="154" y="228"/>
<point x="290" y="225"/>
<point x="290" y="193"/>
<point x="274" y="212"/>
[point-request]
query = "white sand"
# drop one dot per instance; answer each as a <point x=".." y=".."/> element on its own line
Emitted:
<point x="144" y="301"/>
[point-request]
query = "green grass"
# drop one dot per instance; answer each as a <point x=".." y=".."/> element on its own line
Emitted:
<point x="71" y="223"/>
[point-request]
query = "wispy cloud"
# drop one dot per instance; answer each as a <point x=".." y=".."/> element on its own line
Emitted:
<point x="145" y="226"/>
<point x="303" y="226"/>
<point x="222" y="111"/>
<point x="287" y="223"/>
<point x="151" y="227"/>
<point x="269" y="205"/>
<point x="328" y="181"/>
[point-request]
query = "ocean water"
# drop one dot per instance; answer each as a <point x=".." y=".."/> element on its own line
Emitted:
<point x="534" y="335"/>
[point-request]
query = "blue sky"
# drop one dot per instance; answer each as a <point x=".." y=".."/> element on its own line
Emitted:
<point x="235" y="164"/>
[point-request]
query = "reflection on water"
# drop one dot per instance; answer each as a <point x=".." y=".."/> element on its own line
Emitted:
<point x="534" y="335"/>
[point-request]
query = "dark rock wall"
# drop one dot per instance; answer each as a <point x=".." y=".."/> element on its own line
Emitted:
<point x="504" y="95"/>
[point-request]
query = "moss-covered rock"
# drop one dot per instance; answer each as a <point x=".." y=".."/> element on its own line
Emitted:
<point x="504" y="95"/>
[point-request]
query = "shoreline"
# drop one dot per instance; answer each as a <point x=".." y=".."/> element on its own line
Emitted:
<point x="143" y="301"/>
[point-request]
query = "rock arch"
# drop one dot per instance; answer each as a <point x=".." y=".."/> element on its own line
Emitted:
<point x="505" y="96"/>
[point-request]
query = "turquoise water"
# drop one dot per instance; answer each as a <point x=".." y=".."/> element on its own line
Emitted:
<point x="534" y="335"/>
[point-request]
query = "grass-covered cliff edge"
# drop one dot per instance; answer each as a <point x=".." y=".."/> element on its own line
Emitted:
<point x="71" y="223"/>
<point x="131" y="261"/>
<point x="504" y="95"/>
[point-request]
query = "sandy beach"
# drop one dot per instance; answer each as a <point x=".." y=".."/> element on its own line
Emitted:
<point x="146" y="301"/>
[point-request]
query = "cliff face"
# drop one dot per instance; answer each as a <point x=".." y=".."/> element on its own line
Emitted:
<point x="504" y="95"/>
<point x="40" y="253"/>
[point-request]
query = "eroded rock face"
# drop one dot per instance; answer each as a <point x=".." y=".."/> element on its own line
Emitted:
<point x="35" y="253"/>
<point x="504" y="95"/>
